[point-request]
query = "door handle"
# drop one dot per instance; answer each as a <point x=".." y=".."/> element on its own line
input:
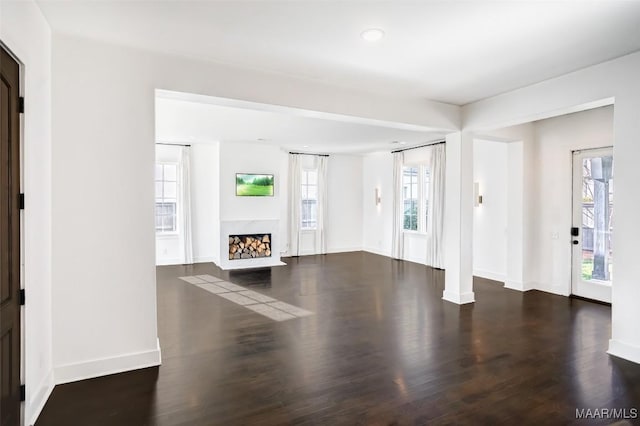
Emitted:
<point x="575" y="242"/>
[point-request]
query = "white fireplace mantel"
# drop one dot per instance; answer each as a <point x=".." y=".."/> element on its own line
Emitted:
<point x="246" y="227"/>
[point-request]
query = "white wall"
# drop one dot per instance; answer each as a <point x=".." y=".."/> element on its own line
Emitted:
<point x="377" y="172"/>
<point x="490" y="165"/>
<point x="250" y="158"/>
<point x="205" y="201"/>
<point x="545" y="148"/>
<point x="104" y="289"/>
<point x="115" y="87"/>
<point x="343" y="232"/>
<point x="556" y="138"/>
<point x="521" y="200"/>
<point x="108" y="323"/>
<point x="237" y="157"/>
<point x="345" y="203"/>
<point x="26" y="33"/>
<point x="597" y="85"/>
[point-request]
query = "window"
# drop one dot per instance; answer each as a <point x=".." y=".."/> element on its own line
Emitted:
<point x="415" y="191"/>
<point x="166" y="197"/>
<point x="309" y="196"/>
<point x="410" y="196"/>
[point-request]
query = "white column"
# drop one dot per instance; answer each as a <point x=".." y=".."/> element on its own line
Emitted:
<point x="515" y="216"/>
<point x="625" y="315"/>
<point x="459" y="219"/>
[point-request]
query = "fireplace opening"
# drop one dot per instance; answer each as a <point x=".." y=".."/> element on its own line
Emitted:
<point x="249" y="246"/>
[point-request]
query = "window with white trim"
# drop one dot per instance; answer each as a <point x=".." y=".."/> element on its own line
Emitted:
<point x="410" y="197"/>
<point x="415" y="192"/>
<point x="309" y="196"/>
<point x="166" y="181"/>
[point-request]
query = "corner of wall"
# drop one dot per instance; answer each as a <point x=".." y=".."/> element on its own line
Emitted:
<point x="106" y="366"/>
<point x="550" y="287"/>
<point x="493" y="276"/>
<point x="520" y="286"/>
<point x="378" y="251"/>
<point x="623" y="350"/>
<point x="39" y="399"/>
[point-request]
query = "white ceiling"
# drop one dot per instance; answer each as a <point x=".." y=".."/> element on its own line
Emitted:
<point x="185" y="118"/>
<point x="452" y="51"/>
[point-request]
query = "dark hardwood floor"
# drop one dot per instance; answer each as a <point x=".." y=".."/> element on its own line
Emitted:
<point x="382" y="348"/>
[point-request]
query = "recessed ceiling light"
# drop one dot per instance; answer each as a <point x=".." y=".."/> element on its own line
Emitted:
<point x="394" y="142"/>
<point x="261" y="139"/>
<point x="403" y="143"/>
<point x="372" y="34"/>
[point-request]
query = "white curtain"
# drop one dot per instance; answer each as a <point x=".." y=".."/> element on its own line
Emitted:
<point x="321" y="243"/>
<point x="295" y="200"/>
<point x="435" y="227"/>
<point x="397" y="244"/>
<point x="186" y="243"/>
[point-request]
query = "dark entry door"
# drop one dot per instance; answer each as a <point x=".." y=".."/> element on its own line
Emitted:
<point x="9" y="240"/>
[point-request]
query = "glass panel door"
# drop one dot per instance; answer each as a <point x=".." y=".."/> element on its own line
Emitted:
<point x="592" y="272"/>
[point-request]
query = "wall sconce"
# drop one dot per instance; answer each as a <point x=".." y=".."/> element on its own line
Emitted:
<point x="477" y="198"/>
<point x="377" y="195"/>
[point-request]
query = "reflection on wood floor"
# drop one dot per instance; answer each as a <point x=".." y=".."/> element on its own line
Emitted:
<point x="381" y="348"/>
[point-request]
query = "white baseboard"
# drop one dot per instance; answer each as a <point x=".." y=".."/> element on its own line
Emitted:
<point x="489" y="275"/>
<point x="624" y="351"/>
<point x="248" y="266"/>
<point x="329" y="251"/>
<point x="519" y="286"/>
<point x="176" y="261"/>
<point x="166" y="262"/>
<point x="203" y="259"/>
<point x="416" y="260"/>
<point x="376" y="251"/>
<point x="459" y="299"/>
<point x="302" y="253"/>
<point x="39" y="399"/>
<point x="343" y="249"/>
<point x="105" y="366"/>
<point x="553" y="288"/>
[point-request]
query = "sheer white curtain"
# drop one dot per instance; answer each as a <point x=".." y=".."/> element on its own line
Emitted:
<point x="435" y="227"/>
<point x="397" y="244"/>
<point x="184" y="205"/>
<point x="321" y="242"/>
<point x="295" y="201"/>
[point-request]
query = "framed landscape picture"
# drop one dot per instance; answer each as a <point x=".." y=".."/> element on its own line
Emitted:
<point x="254" y="185"/>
